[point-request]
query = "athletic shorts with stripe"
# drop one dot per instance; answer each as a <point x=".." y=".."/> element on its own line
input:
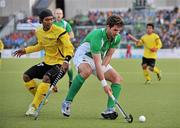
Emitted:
<point x="41" y="69"/>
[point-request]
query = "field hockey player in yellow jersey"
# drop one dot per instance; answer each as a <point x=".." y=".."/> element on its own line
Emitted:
<point x="152" y="44"/>
<point x="58" y="49"/>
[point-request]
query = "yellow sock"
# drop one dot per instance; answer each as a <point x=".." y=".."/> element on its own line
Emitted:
<point x="146" y="75"/>
<point x="41" y="92"/>
<point x="156" y="70"/>
<point x="31" y="86"/>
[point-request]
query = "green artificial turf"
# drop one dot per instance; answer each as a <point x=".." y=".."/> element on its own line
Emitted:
<point x="158" y="102"/>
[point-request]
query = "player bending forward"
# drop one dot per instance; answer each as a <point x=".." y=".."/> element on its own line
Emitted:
<point x="93" y="57"/>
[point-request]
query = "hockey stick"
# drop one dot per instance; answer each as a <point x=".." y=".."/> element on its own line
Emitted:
<point x="128" y="117"/>
<point x="59" y="76"/>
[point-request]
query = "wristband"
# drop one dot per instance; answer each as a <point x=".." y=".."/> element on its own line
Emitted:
<point x="103" y="82"/>
<point x="67" y="58"/>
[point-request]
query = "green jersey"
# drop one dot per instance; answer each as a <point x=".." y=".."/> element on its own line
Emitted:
<point x="64" y="24"/>
<point x="98" y="42"/>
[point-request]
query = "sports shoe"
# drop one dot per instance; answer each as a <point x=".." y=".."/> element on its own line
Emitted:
<point x="31" y="111"/>
<point x="148" y="82"/>
<point x="65" y="108"/>
<point x="109" y="114"/>
<point x="159" y="76"/>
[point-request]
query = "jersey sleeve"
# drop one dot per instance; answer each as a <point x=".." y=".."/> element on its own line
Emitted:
<point x="36" y="47"/>
<point x="68" y="48"/>
<point x="158" y="42"/>
<point x="68" y="27"/>
<point x="140" y="42"/>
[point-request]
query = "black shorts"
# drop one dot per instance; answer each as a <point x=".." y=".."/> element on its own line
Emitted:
<point x="41" y="69"/>
<point x="149" y="62"/>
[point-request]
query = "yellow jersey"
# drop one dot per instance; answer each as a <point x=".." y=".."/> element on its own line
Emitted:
<point x="56" y="44"/>
<point x="150" y="41"/>
<point x="1" y="45"/>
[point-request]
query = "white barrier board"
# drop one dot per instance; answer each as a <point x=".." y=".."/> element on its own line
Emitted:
<point x="119" y="53"/>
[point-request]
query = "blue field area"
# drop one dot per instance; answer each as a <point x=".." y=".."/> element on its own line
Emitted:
<point x="158" y="102"/>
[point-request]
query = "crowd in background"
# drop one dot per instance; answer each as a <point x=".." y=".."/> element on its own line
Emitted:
<point x="167" y="25"/>
<point x="19" y="39"/>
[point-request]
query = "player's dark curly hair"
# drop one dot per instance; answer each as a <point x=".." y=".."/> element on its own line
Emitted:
<point x="114" y="20"/>
<point x="150" y="24"/>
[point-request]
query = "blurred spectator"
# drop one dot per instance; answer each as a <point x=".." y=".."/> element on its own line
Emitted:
<point x="19" y="39"/>
<point x="128" y="51"/>
<point x="20" y="16"/>
<point x="167" y="25"/>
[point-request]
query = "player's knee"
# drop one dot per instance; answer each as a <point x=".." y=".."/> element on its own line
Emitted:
<point x="120" y="78"/>
<point x="26" y="78"/>
<point x="117" y="79"/>
<point x="46" y="79"/>
<point x="144" y="66"/>
<point x="85" y="74"/>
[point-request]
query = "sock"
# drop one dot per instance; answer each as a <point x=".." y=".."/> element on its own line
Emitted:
<point x="156" y="70"/>
<point x="41" y="92"/>
<point x="76" y="85"/>
<point x="31" y="86"/>
<point x="70" y="74"/>
<point x="116" y="88"/>
<point x="146" y="74"/>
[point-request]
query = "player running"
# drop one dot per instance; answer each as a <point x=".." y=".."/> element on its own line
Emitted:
<point x="152" y="44"/>
<point x="58" y="52"/>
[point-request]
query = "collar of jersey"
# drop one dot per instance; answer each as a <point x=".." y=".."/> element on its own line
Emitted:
<point x="49" y="29"/>
<point x="61" y="21"/>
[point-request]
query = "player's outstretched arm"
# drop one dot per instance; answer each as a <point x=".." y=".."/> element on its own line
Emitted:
<point x="19" y="52"/>
<point x="134" y="39"/>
